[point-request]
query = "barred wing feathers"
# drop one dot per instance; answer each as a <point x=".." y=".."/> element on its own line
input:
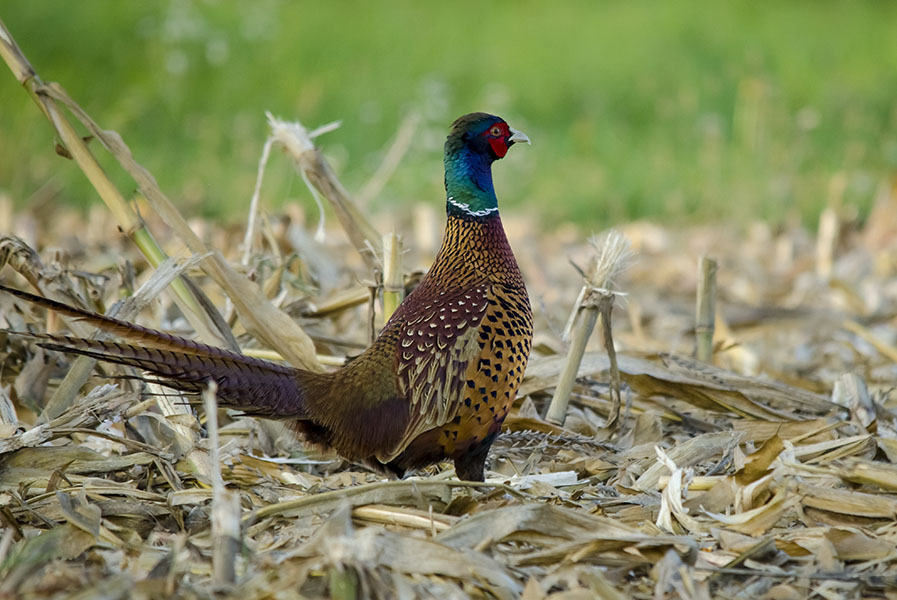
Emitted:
<point x="436" y="345"/>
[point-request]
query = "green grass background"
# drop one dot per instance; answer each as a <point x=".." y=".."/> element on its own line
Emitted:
<point x="666" y="110"/>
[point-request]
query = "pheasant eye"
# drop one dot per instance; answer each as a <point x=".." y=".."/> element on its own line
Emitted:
<point x="496" y="131"/>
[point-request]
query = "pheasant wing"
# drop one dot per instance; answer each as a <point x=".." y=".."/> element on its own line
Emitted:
<point x="435" y="347"/>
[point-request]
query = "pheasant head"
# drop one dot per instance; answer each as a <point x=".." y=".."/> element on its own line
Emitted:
<point x="474" y="143"/>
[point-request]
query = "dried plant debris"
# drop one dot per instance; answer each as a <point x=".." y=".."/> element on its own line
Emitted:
<point x="771" y="472"/>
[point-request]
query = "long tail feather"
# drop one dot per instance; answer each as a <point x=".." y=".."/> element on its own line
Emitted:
<point x="249" y="384"/>
<point x="131" y="331"/>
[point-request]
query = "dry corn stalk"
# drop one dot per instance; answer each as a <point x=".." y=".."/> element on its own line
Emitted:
<point x="297" y="140"/>
<point x="269" y="325"/>
<point x="74" y="146"/>
<point x="225" y="504"/>
<point x="595" y="298"/>
<point x="705" y="310"/>
<point x="393" y="279"/>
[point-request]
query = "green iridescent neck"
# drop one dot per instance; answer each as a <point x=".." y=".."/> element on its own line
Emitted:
<point x="468" y="183"/>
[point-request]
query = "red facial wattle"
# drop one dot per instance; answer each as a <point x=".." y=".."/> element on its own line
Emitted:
<point x="499" y="146"/>
<point x="497" y="136"/>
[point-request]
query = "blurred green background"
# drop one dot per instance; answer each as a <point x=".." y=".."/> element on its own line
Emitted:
<point x="676" y="111"/>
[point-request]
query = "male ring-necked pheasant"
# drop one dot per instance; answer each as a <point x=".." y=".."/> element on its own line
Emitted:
<point x="438" y="381"/>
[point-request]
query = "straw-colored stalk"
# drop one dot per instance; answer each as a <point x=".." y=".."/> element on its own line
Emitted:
<point x="403" y="517"/>
<point x="705" y="309"/>
<point x="265" y="322"/>
<point x="77" y="149"/>
<point x="586" y="318"/>
<point x="269" y="325"/>
<point x="315" y="169"/>
<point x="826" y="242"/>
<point x="340" y="301"/>
<point x="829" y="230"/>
<point x="225" y="505"/>
<point x="595" y="299"/>
<point x="249" y="238"/>
<point x="393" y="278"/>
<point x="606" y="309"/>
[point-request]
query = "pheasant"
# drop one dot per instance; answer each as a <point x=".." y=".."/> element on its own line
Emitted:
<point x="438" y="381"/>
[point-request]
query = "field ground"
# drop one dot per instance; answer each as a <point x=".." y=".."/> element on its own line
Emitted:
<point x="776" y="477"/>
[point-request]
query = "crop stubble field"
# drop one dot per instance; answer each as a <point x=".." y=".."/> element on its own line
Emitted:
<point x="768" y="472"/>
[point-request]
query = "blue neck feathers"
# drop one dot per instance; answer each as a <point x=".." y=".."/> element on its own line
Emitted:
<point x="468" y="184"/>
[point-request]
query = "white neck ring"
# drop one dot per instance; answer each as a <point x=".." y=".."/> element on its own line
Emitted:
<point x="466" y="208"/>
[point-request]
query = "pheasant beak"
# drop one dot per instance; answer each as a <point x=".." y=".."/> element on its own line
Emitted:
<point x="518" y="136"/>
